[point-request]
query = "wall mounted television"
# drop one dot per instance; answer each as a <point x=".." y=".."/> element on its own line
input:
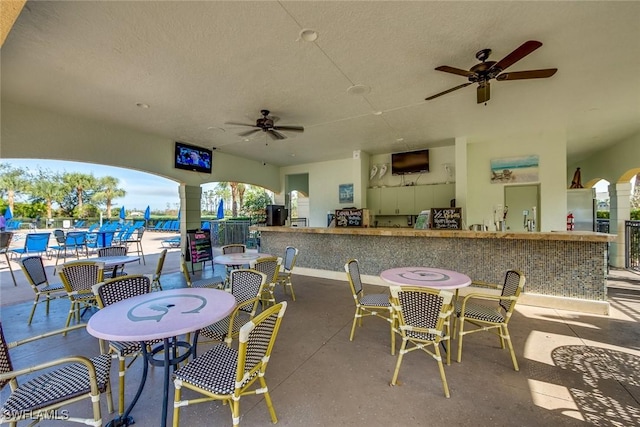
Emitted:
<point x="410" y="162"/>
<point x="192" y="158"/>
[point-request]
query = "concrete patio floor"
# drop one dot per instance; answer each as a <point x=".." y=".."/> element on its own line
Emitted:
<point x="575" y="369"/>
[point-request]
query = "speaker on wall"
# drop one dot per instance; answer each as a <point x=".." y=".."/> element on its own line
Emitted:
<point x="276" y="215"/>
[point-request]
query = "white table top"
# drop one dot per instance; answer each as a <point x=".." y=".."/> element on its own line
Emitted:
<point x="239" y="258"/>
<point x="108" y="261"/>
<point x="435" y="278"/>
<point x="159" y="315"/>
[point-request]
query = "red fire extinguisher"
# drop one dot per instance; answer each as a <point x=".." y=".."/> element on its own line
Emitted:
<point x="570" y="222"/>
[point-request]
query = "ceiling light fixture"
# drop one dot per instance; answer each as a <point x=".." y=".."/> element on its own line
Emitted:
<point x="308" y="35"/>
<point x="358" y="90"/>
<point x="142" y="105"/>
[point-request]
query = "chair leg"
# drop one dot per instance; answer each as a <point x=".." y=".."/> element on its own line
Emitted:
<point x="33" y="309"/>
<point x="460" y="335"/>
<point x="507" y="337"/>
<point x="438" y="358"/>
<point x="401" y="353"/>
<point x="267" y="399"/>
<point x="121" y="370"/>
<point x="290" y="285"/>
<point x="356" y="316"/>
<point x="176" y="400"/>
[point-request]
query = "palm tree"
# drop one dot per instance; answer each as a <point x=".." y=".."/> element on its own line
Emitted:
<point x="13" y="181"/>
<point x="107" y="190"/>
<point x="48" y="186"/>
<point x="80" y="182"/>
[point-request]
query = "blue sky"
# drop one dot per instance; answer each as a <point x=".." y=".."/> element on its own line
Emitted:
<point x="142" y="189"/>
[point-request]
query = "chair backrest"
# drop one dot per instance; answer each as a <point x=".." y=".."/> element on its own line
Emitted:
<point x="113" y="251"/>
<point x="185" y="271"/>
<point x="120" y="288"/>
<point x="256" y="341"/>
<point x="139" y="233"/>
<point x="235" y="248"/>
<point x="5" y="359"/>
<point x="34" y="271"/>
<point x="37" y="242"/>
<point x="160" y="264"/>
<point x="59" y="236"/>
<point x="513" y="285"/>
<point x="76" y="238"/>
<point x="81" y="276"/>
<point x="353" y="276"/>
<point x="5" y="240"/>
<point x="245" y="285"/>
<point x="290" y="255"/>
<point x="269" y="266"/>
<point x="421" y="312"/>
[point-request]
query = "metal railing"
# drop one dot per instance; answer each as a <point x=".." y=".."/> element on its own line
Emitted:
<point x="632" y="245"/>
<point x="225" y="232"/>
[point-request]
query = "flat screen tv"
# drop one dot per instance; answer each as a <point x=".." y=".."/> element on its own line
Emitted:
<point x="192" y="158"/>
<point x="410" y="162"/>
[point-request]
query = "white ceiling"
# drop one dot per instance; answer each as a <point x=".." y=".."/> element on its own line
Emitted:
<point x="200" y="64"/>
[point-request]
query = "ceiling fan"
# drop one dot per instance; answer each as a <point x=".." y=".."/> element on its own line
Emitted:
<point x="487" y="70"/>
<point x="267" y="124"/>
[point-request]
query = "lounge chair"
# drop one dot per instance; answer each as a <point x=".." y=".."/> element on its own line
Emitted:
<point x="34" y="244"/>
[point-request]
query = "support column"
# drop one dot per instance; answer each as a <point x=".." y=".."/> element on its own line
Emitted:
<point x="190" y="202"/>
<point x="619" y="212"/>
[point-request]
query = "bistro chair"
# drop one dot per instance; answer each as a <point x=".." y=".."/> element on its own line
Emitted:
<point x="54" y="384"/>
<point x="155" y="277"/>
<point x="269" y="266"/>
<point x="247" y="287"/>
<point x="284" y="276"/>
<point x="491" y="318"/>
<point x="5" y="243"/>
<point x="227" y="374"/>
<point x="110" y="292"/>
<point x="234" y="248"/>
<point x="78" y="278"/>
<point x="114" y="251"/>
<point x="420" y="316"/>
<point x="136" y="238"/>
<point x="367" y="304"/>
<point x="33" y="269"/>
<point x="215" y="282"/>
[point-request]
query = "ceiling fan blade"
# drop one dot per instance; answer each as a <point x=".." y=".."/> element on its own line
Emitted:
<point x="531" y="74"/>
<point x="238" y="124"/>
<point x="454" y="70"/>
<point x="484" y="92"/>
<point x="290" y="128"/>
<point x="525" y="49"/>
<point x="274" y="134"/>
<point x="447" y="91"/>
<point x="249" y="132"/>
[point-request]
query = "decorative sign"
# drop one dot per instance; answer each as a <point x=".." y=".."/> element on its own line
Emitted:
<point x="349" y="218"/>
<point x="422" y="222"/>
<point x="199" y="246"/>
<point x="345" y="193"/>
<point x="446" y="218"/>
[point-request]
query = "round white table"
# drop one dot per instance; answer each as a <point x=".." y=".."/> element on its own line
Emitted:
<point x="108" y="261"/>
<point x="435" y="278"/>
<point x="245" y="258"/>
<point x="161" y="315"/>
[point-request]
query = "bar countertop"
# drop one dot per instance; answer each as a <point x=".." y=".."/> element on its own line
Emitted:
<point x="576" y="236"/>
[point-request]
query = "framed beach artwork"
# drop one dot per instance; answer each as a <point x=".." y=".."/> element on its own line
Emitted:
<point x="345" y="193"/>
<point x="514" y="170"/>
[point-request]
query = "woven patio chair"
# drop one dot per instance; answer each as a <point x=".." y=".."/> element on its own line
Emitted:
<point x="33" y="269"/>
<point x="284" y="276"/>
<point x="247" y="287"/>
<point x="269" y="266"/>
<point x="233" y="248"/>
<point x="155" y="277"/>
<point x="367" y="304"/>
<point x="110" y="292"/>
<point x="420" y="316"/>
<point x="118" y="270"/>
<point x="78" y="279"/>
<point x="227" y="374"/>
<point x="52" y="385"/>
<point x="491" y="318"/>
<point x="215" y="282"/>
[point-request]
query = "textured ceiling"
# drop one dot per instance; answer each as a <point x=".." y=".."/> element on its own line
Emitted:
<point x="198" y="65"/>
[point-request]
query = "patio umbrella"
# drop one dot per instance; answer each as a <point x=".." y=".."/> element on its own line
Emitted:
<point x="122" y="213"/>
<point x="220" y="214"/>
<point x="7" y="214"/>
<point x="147" y="215"/>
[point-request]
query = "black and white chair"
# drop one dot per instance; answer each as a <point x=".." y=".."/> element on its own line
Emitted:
<point x="33" y="269"/>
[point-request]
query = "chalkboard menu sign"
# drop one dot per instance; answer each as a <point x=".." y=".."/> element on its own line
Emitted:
<point x="446" y="218"/>
<point x="199" y="246"/>
<point x="352" y="218"/>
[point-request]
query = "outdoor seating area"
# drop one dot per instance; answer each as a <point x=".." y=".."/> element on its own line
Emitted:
<point x="568" y="362"/>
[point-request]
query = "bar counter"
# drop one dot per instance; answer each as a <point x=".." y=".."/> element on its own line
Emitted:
<point x="565" y="269"/>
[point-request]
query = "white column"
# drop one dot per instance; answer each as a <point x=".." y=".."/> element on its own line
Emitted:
<point x="190" y="203"/>
<point x="620" y="211"/>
